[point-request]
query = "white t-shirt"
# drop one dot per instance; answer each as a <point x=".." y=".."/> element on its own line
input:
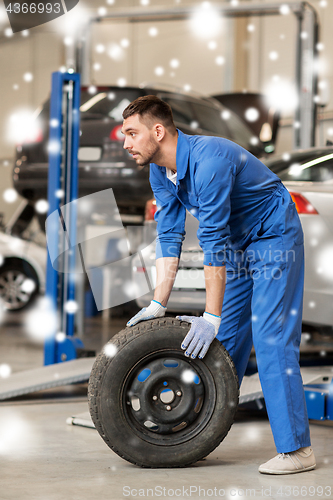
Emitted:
<point x="171" y="176"/>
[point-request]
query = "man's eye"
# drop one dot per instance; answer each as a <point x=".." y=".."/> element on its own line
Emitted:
<point x="132" y="134"/>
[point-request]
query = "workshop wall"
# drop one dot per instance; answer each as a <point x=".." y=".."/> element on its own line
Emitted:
<point x="23" y="58"/>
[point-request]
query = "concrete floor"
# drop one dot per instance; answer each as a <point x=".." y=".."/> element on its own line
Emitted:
<point x="43" y="458"/>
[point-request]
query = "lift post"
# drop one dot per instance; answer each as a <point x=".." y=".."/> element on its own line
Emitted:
<point x="61" y="227"/>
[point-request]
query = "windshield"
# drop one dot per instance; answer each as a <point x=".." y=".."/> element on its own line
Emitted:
<point x="107" y="103"/>
<point x="241" y="132"/>
<point x="284" y="163"/>
<point x="210" y="119"/>
<point x="317" y="170"/>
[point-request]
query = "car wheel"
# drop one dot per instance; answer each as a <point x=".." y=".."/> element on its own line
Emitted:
<point x="155" y="407"/>
<point x="18" y="286"/>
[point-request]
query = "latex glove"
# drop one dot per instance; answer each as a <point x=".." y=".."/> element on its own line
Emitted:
<point x="202" y="333"/>
<point x="154" y="310"/>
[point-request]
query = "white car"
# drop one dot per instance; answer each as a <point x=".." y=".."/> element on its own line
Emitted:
<point x="313" y="196"/>
<point x="22" y="260"/>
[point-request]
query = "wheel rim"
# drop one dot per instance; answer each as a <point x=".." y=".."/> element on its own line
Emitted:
<point x="12" y="289"/>
<point x="168" y="398"/>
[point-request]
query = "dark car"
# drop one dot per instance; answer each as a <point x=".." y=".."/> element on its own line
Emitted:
<point x="103" y="163"/>
<point x="265" y="125"/>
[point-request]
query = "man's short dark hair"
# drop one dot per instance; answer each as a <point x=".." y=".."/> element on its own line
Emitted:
<point x="151" y="108"/>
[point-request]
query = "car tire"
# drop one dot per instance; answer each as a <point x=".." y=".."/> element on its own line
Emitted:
<point x="12" y="276"/>
<point x="129" y="411"/>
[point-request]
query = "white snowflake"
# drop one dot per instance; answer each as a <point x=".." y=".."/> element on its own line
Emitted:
<point x="100" y="48"/>
<point x="60" y="337"/>
<point x="41" y="206"/>
<point x="153" y="31"/>
<point x="5" y="371"/>
<point x="159" y="71"/>
<point x="284" y="9"/>
<point x="273" y="55"/>
<point x="10" y="195"/>
<point x="110" y="350"/>
<point x="28" y="77"/>
<point x="71" y="306"/>
<point x="124" y="42"/>
<point x="174" y="63"/>
<point x="251" y="114"/>
<point x="121" y="82"/>
<point x="220" y="60"/>
<point x="212" y="45"/>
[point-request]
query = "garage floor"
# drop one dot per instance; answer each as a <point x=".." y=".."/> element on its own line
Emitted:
<point x="43" y="458"/>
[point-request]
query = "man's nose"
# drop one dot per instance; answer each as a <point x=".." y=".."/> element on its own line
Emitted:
<point x="126" y="143"/>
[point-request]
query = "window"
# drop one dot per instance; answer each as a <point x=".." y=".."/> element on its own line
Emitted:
<point x="210" y="119"/>
<point x="181" y="110"/>
<point x="240" y="132"/>
<point x="318" y="170"/>
<point x="106" y="102"/>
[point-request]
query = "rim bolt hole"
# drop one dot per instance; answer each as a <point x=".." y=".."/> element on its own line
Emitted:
<point x="155" y="398"/>
<point x="178" y="393"/>
<point x="168" y="407"/>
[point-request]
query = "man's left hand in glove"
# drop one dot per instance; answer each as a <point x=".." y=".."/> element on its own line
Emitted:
<point x="202" y="333"/>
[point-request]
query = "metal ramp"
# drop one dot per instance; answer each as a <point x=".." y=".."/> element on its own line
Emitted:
<point x="250" y="390"/>
<point x="46" y="377"/>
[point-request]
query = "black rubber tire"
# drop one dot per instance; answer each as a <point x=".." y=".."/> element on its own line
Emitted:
<point x="106" y="395"/>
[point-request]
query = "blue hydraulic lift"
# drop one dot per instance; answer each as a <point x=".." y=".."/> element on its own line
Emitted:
<point x="61" y="231"/>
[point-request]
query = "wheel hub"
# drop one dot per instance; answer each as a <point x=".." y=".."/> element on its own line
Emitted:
<point x="13" y="289"/>
<point x="165" y="395"/>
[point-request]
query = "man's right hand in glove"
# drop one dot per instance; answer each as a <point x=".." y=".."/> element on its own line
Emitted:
<point x="154" y="310"/>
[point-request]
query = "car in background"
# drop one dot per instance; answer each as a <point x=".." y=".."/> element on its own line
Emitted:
<point x="103" y="163"/>
<point x="22" y="259"/>
<point x="308" y="175"/>
<point x="306" y="165"/>
<point x="256" y="112"/>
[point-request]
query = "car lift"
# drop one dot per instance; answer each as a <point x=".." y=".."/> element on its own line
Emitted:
<point x="61" y="222"/>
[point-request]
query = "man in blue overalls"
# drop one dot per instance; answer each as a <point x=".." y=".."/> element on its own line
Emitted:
<point x="252" y="241"/>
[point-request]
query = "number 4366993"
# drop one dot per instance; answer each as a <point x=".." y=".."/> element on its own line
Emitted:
<point x="33" y="8"/>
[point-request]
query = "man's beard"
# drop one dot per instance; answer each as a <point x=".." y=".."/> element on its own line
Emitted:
<point x="150" y="153"/>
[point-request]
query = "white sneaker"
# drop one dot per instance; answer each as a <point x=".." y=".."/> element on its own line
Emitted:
<point x="290" y="463"/>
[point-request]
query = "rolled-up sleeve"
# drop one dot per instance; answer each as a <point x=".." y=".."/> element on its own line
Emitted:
<point x="170" y="217"/>
<point x="214" y="182"/>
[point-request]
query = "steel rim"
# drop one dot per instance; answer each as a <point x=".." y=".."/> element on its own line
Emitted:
<point x="11" y="291"/>
<point x="168" y="398"/>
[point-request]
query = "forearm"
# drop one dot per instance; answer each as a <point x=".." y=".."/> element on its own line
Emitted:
<point x="215" y="278"/>
<point x="166" y="270"/>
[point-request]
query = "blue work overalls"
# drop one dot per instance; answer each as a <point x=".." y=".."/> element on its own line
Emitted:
<point x="249" y="223"/>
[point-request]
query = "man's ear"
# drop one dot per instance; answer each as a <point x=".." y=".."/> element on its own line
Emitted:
<point x="159" y="131"/>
